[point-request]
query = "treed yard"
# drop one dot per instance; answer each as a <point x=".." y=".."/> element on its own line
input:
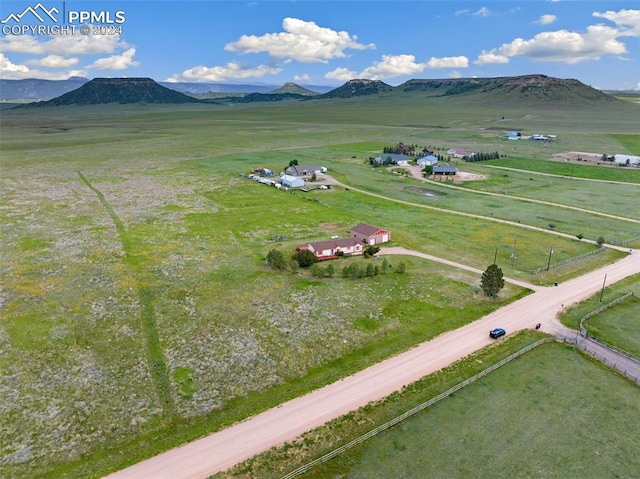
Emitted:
<point x="137" y="308"/>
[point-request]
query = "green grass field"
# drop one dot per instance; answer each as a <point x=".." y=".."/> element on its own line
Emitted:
<point x="137" y="309"/>
<point x="618" y="325"/>
<point x="535" y="416"/>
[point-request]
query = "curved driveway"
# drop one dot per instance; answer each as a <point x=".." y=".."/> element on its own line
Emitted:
<point x="222" y="450"/>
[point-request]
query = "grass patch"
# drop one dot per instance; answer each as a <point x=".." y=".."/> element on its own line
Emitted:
<point x="617" y="325"/>
<point x="153" y="262"/>
<point x="508" y="424"/>
<point x="627" y="175"/>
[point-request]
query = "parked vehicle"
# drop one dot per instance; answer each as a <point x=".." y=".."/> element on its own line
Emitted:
<point x="496" y="333"/>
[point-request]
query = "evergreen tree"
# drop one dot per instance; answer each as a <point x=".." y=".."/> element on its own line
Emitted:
<point x="276" y="260"/>
<point x="492" y="280"/>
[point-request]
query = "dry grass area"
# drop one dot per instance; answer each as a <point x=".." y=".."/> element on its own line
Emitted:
<point x="582" y="157"/>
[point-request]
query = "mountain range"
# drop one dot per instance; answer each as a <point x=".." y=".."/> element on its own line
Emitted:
<point x="40" y="90"/>
<point x="533" y="89"/>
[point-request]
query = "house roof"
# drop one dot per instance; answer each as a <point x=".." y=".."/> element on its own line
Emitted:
<point x="365" y="229"/>
<point x="428" y="157"/>
<point x="334" y="244"/>
<point x="289" y="178"/>
<point x="299" y="170"/>
<point x="394" y="157"/>
<point x="444" y="169"/>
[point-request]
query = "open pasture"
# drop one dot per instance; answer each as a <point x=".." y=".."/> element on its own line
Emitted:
<point x="619" y="324"/>
<point x="137" y="309"/>
<point x="603" y="197"/>
<point x="535" y="416"/>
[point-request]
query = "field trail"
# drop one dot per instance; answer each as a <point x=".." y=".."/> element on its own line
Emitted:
<point x="222" y="450"/>
<point x="416" y="173"/>
<point x="405" y="251"/>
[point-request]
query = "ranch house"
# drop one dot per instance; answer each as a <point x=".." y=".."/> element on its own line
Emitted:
<point x="304" y="170"/>
<point x="331" y="249"/>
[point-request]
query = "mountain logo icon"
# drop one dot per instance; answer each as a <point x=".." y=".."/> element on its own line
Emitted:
<point x="38" y="11"/>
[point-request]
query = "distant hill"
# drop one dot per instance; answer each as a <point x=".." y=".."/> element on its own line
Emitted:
<point x="528" y="88"/>
<point x="292" y="88"/>
<point x="256" y="97"/>
<point x="35" y="89"/>
<point x="358" y="87"/>
<point x="119" y="90"/>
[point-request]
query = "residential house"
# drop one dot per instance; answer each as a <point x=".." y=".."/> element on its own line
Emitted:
<point x="396" y="159"/>
<point x="304" y="170"/>
<point x="428" y="160"/>
<point x="460" y="153"/>
<point x="444" y="170"/>
<point x="512" y="135"/>
<point x="333" y="248"/>
<point x="291" y="181"/>
<point x="370" y="235"/>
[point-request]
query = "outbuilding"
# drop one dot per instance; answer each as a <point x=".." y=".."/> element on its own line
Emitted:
<point x="444" y="170"/>
<point x="370" y="235"/>
<point x="291" y="181"/>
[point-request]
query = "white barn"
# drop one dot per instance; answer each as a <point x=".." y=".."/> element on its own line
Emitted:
<point x="626" y="160"/>
<point x="291" y="181"/>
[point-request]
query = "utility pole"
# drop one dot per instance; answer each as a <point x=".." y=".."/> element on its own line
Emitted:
<point x="549" y="261"/>
<point x="495" y="256"/>
<point x="602" y="292"/>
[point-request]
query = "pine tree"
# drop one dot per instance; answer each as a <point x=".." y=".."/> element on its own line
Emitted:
<point x="492" y="280"/>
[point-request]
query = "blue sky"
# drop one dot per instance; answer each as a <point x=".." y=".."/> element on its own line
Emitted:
<point x="324" y="42"/>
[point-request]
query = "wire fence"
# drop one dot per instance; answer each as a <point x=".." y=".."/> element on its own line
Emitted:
<point x="415" y="410"/>
<point x="568" y="260"/>
<point x="584" y="346"/>
<point x="583" y="329"/>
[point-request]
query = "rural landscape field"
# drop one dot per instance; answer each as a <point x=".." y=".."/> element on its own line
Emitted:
<point x="138" y="310"/>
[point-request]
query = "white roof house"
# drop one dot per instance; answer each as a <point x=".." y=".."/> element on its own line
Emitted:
<point x="429" y="160"/>
<point x="626" y="159"/>
<point x="291" y="181"/>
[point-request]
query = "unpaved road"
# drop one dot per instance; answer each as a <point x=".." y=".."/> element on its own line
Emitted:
<point x="219" y="451"/>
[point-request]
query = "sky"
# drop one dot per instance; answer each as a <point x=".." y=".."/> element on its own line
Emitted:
<point x="322" y="42"/>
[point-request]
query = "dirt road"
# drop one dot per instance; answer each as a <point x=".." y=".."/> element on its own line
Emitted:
<point x="204" y="457"/>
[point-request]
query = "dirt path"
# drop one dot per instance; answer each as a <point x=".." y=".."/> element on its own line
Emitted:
<point x="400" y="250"/>
<point x="219" y="451"/>
<point x="416" y="173"/>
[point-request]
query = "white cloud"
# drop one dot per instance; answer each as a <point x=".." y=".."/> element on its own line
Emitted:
<point x="448" y="62"/>
<point x="301" y="41"/>
<point x="637" y="86"/>
<point x="461" y="12"/>
<point x="397" y="65"/>
<point x="54" y="61"/>
<point x="392" y="66"/>
<point x="231" y="70"/>
<point x="483" y="12"/>
<point x="490" y="58"/>
<point x="560" y="46"/>
<point x="304" y="77"/>
<point x="12" y="71"/>
<point x="116" y="62"/>
<point x="6" y="67"/>
<point x="455" y="74"/>
<point x="342" y="74"/>
<point x="547" y="19"/>
<point x="571" y="47"/>
<point x="627" y="20"/>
